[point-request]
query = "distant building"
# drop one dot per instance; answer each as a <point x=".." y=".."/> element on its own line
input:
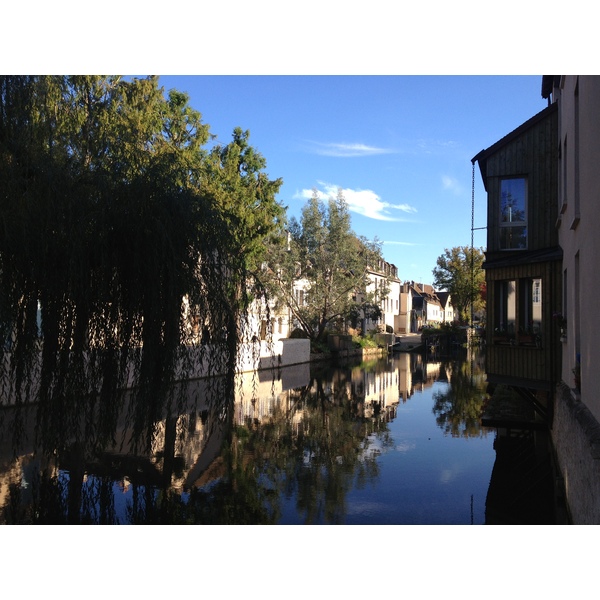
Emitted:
<point x="447" y="308"/>
<point x="422" y="306"/>
<point x="407" y="317"/>
<point x="384" y="275"/>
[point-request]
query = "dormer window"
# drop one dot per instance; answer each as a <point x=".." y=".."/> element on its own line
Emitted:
<point x="513" y="214"/>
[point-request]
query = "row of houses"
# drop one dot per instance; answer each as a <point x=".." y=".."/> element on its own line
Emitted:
<point x="542" y="182"/>
<point x="406" y="307"/>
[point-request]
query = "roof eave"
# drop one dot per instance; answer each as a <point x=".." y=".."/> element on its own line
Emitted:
<point x="482" y="156"/>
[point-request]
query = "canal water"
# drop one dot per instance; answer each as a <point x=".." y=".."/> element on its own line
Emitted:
<point x="396" y="440"/>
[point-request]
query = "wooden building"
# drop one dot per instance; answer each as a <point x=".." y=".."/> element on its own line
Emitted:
<point x="523" y="257"/>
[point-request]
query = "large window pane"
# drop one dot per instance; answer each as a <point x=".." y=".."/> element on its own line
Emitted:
<point x="513" y="214"/>
<point x="513" y="201"/>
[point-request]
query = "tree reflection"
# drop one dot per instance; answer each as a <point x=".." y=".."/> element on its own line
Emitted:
<point x="313" y="450"/>
<point x="313" y="447"/>
<point x="458" y="407"/>
<point x="327" y="456"/>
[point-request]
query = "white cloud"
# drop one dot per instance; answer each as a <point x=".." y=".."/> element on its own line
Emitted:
<point x="347" y="150"/>
<point x="363" y="202"/>
<point x="451" y="184"/>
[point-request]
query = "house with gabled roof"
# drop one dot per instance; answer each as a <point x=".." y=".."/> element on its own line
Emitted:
<point x="420" y="306"/>
<point x="448" y="315"/>
<point x="384" y="277"/>
<point x="523" y="259"/>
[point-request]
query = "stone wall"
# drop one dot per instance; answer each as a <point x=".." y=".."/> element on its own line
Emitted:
<point x="282" y="353"/>
<point x="355" y="353"/>
<point x="576" y="439"/>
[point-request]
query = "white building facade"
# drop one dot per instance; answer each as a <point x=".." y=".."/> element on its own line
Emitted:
<point x="576" y="422"/>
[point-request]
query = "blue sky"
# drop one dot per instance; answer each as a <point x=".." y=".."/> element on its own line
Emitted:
<point x="400" y="147"/>
<point x="440" y="87"/>
<point x="398" y="141"/>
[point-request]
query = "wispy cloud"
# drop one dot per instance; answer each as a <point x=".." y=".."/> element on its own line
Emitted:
<point x="363" y="202"/>
<point x="354" y="149"/>
<point x="396" y="243"/>
<point x="451" y="184"/>
<point x="429" y="146"/>
<point x="346" y="150"/>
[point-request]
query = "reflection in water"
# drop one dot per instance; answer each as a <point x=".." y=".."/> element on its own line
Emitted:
<point x="307" y="444"/>
<point x="458" y="406"/>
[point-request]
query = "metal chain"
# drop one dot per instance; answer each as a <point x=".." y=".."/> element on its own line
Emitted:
<point x="472" y="202"/>
<point x="472" y="239"/>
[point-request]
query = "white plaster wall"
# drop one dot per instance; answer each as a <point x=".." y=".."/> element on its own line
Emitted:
<point x="280" y="353"/>
<point x="582" y="238"/>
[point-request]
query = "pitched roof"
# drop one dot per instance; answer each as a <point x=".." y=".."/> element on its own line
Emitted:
<point x="482" y="156"/>
<point x="443" y="297"/>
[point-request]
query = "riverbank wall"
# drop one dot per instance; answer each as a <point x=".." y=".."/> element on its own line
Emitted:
<point x="199" y="362"/>
<point x="576" y="441"/>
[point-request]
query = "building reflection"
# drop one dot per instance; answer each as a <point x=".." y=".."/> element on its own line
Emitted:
<point x="345" y="409"/>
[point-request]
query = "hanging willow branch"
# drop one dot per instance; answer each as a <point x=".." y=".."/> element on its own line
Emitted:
<point x="115" y="234"/>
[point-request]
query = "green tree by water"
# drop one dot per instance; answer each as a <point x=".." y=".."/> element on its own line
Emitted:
<point x="460" y="272"/>
<point x="325" y="252"/>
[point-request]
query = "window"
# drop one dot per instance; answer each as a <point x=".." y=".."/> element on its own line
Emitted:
<point x="505" y="310"/>
<point x="530" y="311"/>
<point x="537" y="291"/>
<point x="564" y="174"/>
<point x="300" y="297"/>
<point x="577" y="140"/>
<point x="518" y="312"/>
<point x="513" y="214"/>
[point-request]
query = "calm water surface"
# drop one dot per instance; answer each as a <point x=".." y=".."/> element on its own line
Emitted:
<point x="392" y="441"/>
<point x="430" y="462"/>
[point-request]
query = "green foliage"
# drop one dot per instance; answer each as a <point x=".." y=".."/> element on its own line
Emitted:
<point x="332" y="261"/>
<point x="319" y="347"/>
<point x="111" y="213"/>
<point x="244" y="197"/>
<point x="444" y="329"/>
<point x="364" y="341"/>
<point x="460" y="272"/>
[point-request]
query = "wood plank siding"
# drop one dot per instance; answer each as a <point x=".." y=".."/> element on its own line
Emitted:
<point x="522" y="363"/>
<point x="532" y="154"/>
<point x="529" y="152"/>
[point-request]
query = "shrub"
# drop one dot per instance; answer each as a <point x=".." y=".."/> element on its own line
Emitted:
<point x="320" y="347"/>
<point x="364" y="342"/>
<point x="298" y="334"/>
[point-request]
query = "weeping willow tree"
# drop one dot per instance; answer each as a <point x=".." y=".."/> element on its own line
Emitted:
<point x="112" y="212"/>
